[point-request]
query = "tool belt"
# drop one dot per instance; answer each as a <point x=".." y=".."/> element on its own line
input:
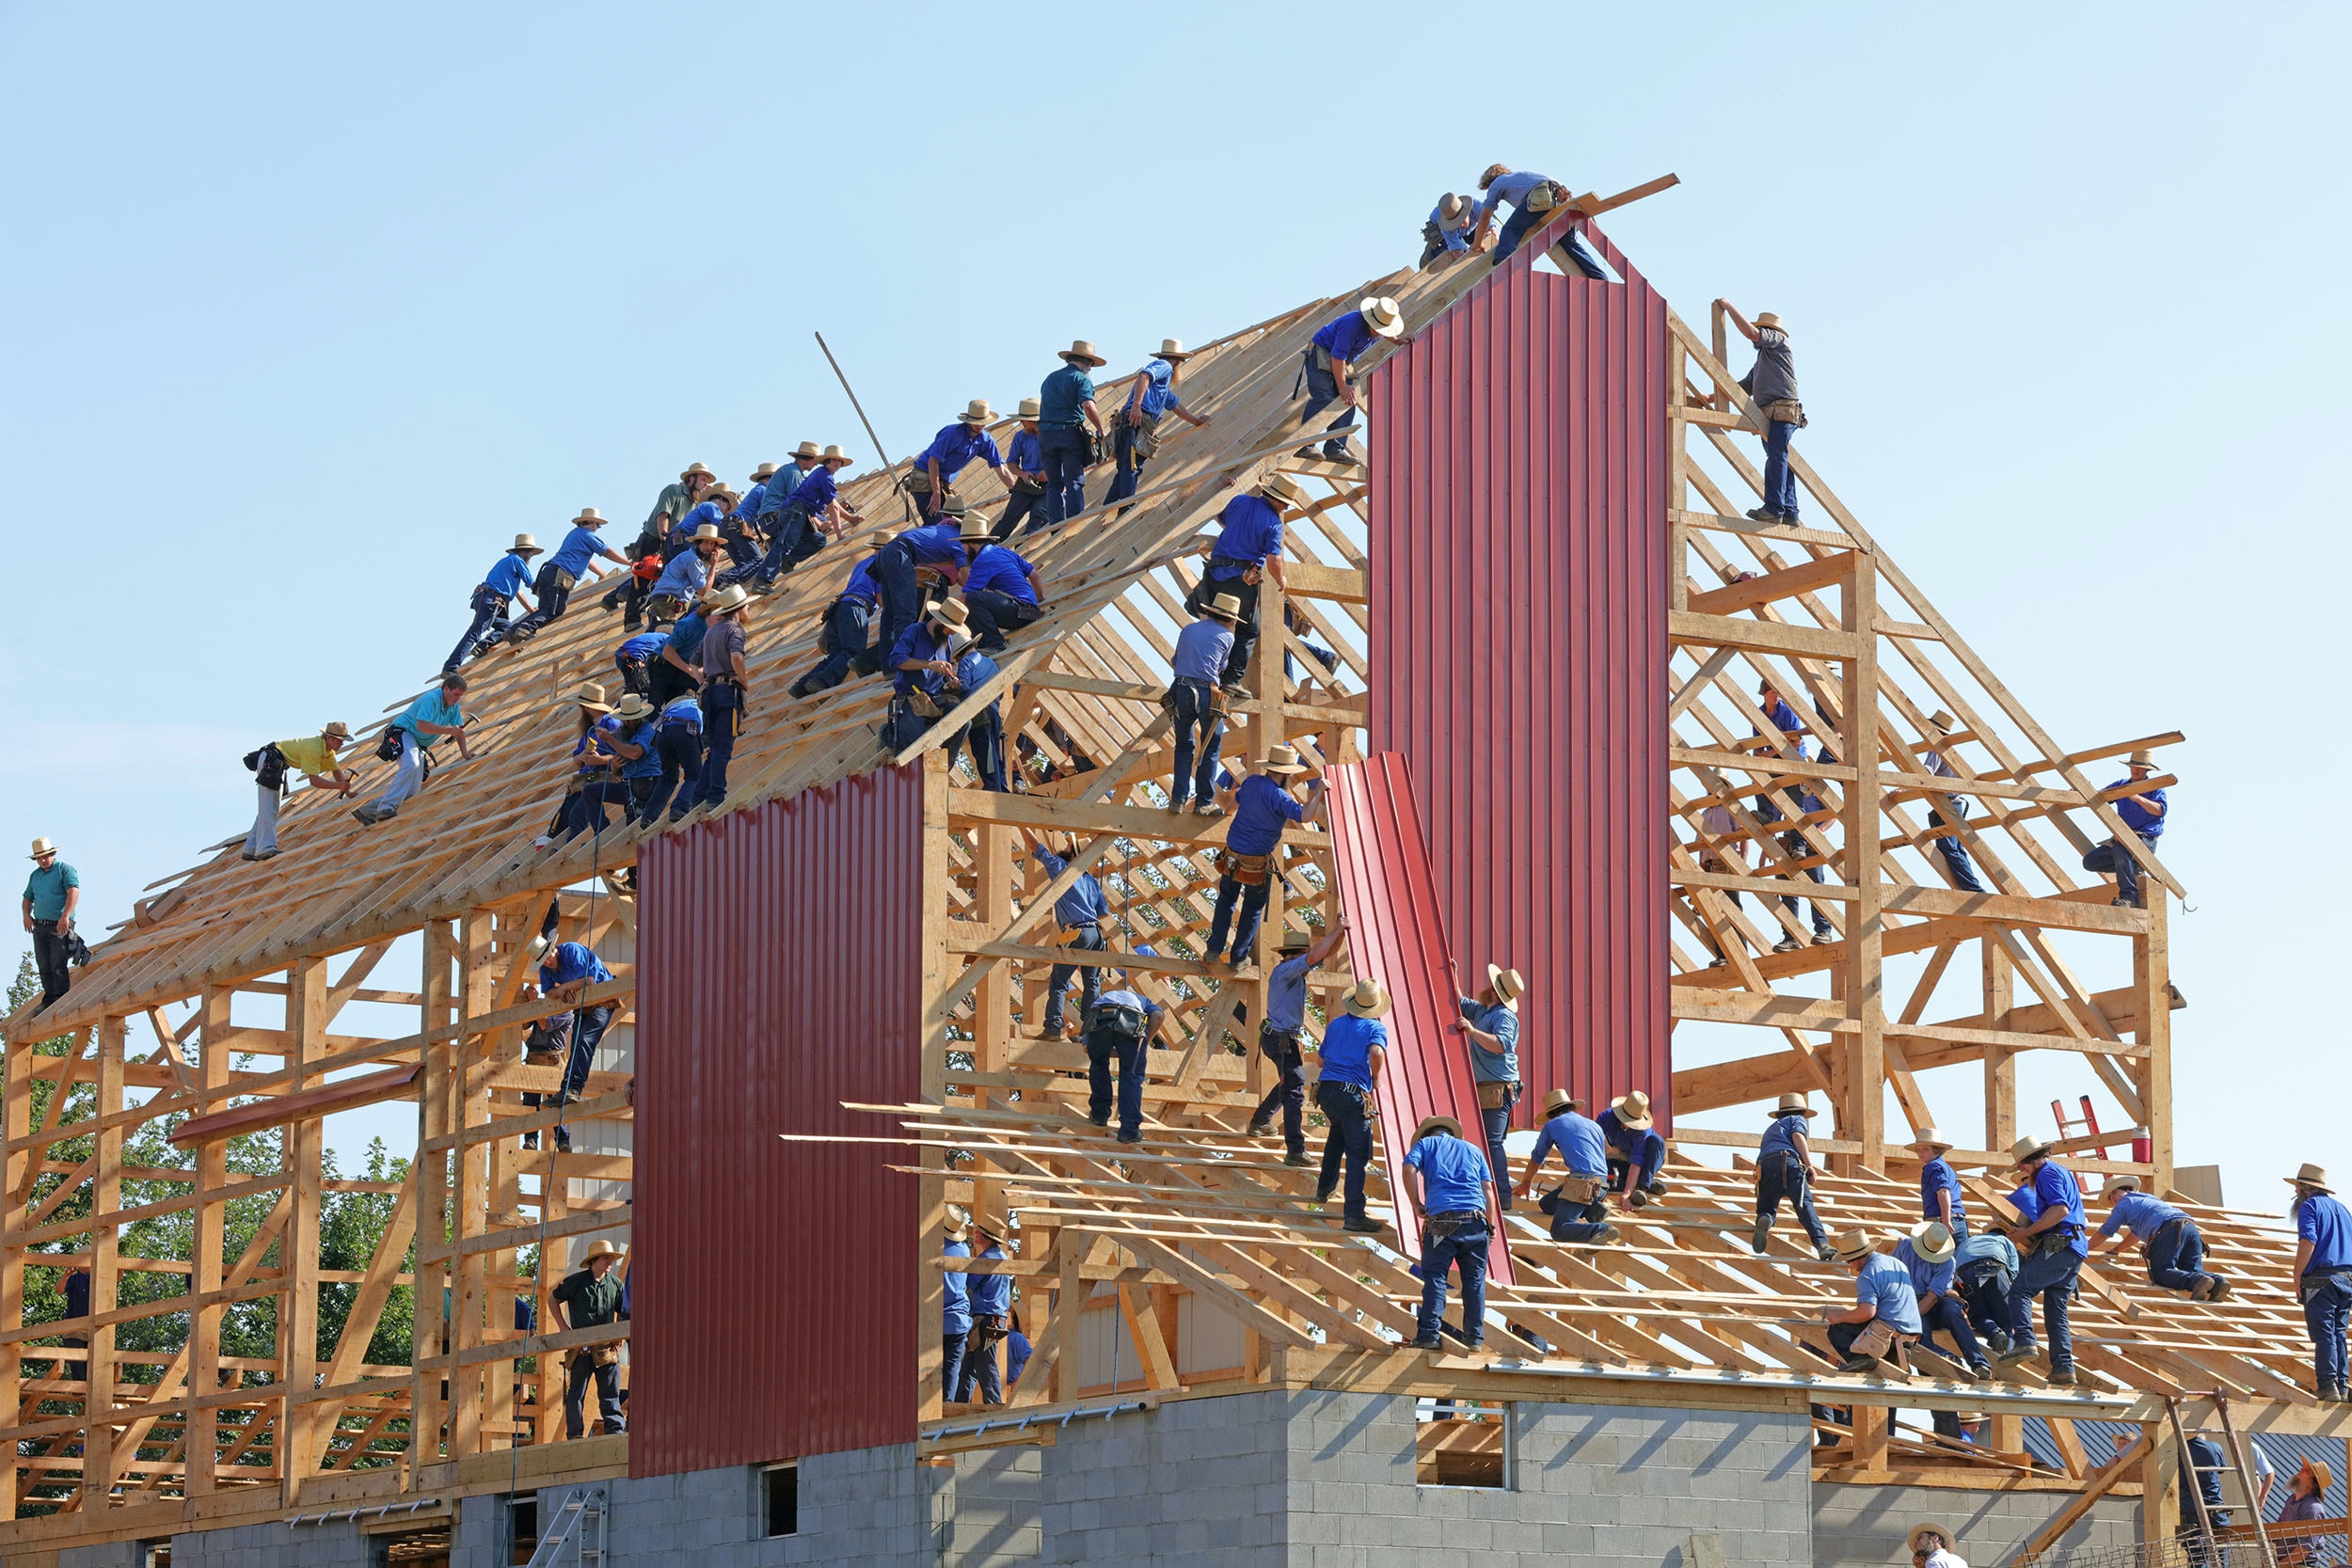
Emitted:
<point x="1144" y="439"/>
<point x="1976" y="1276"/>
<point x="1249" y="870"/>
<point x="599" y="1355"/>
<point x="2308" y="1287"/>
<point x="387" y="744"/>
<point x="1214" y="700"/>
<point x="1878" y="1337"/>
<point x="1452" y="1220"/>
<point x="1118" y="1020"/>
<point x="269" y="766"/>
<point x="1280" y="1047"/>
<point x="664" y="606"/>
<point x="2057" y="1238"/>
<point x="1024" y="485"/>
<point x="561" y="580"/>
<point x="1582" y="1191"/>
<point x="1784" y="411"/>
<point x="1495" y="1095"/>
<point x="987" y="1328"/>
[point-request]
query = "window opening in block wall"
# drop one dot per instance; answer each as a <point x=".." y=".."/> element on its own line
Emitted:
<point x="522" y="1526"/>
<point x="782" y="1489"/>
<point x="1464" y="1443"/>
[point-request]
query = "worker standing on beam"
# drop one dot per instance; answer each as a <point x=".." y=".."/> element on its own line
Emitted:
<point x="1065" y="409"/>
<point x="2323" y="1273"/>
<point x="725" y="686"/>
<point x="847" y="620"/>
<point x="314" y="757"/>
<point x="2060" y="1246"/>
<point x="1447" y="1181"/>
<point x="1261" y="805"/>
<point x="1950" y="810"/>
<point x="494" y="596"/>
<point x="1793" y="843"/>
<point x="434" y="714"/>
<point x="1079" y="914"/>
<point x="955" y="1310"/>
<point x="1119" y="1027"/>
<point x="932" y="477"/>
<point x="2144" y="814"/>
<point x="1939" y="1188"/>
<point x="1928" y="1253"/>
<point x="1248" y="546"/>
<point x="1355" y="1046"/>
<point x="1635" y="1150"/>
<point x="1579" y="1207"/>
<point x="52" y="893"/>
<point x="991" y="1296"/>
<point x="2174" y="1247"/>
<point x="1771" y="382"/>
<point x="1151" y="397"/>
<point x="590" y="1297"/>
<point x="1203" y="650"/>
<point x="1784" y="1172"/>
<point x="1278" y="1039"/>
<point x="1489" y="1021"/>
<point x="1873" y="1333"/>
<point x="1330" y="360"/>
<point x="564" y="979"/>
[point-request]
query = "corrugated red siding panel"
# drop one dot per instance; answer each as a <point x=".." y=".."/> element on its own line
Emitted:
<point x="775" y="1284"/>
<point x="1519" y="546"/>
<point x="1396" y="935"/>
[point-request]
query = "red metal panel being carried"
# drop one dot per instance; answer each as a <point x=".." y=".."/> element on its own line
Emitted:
<point x="775" y="1284"/>
<point x="1518" y="534"/>
<point x="1396" y="935"/>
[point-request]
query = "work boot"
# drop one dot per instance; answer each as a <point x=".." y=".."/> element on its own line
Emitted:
<point x="1130" y="1138"/>
<point x="1363" y="1226"/>
<point x="1761" y="1236"/>
<point x="2064" y="1379"/>
<point x="1323" y="1193"/>
<point x="1307" y="451"/>
<point x="1859" y="1364"/>
<point x="366" y="814"/>
<point x="1638" y="1198"/>
<point x="1765" y="514"/>
<point x="2014" y="1353"/>
<point x="1980" y="1371"/>
<point x="1176" y="806"/>
<point x="1335" y="451"/>
<point x="1422" y="1344"/>
<point x="1658" y="1187"/>
<point x="1256" y="1127"/>
<point x="1208" y="808"/>
<point x="1604" y="1235"/>
<point x="562" y="1141"/>
<point x="1826" y="1253"/>
<point x="1100" y="1121"/>
<point x="1997" y="1339"/>
<point x="531" y="1140"/>
<point x="2220" y="1290"/>
<point x="1787" y="944"/>
<point x="1298" y="1160"/>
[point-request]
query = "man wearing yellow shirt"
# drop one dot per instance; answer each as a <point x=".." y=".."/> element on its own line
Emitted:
<point x="314" y="757"/>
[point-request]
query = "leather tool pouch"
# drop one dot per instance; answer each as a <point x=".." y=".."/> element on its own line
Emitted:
<point x="1249" y="870"/>
<point x="1493" y="1097"/>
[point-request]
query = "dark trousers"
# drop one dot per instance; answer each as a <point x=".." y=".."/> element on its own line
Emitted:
<point x="1644" y="1163"/>
<point x="2113" y="857"/>
<point x="588" y="1027"/>
<point x="1086" y="939"/>
<point x="1793" y="844"/>
<point x="2050" y="1276"/>
<point x="1201" y="731"/>
<point x="723" y="720"/>
<point x="2176" y="1256"/>
<point x="892" y="572"/>
<point x="951" y="1342"/>
<point x="1465" y="1248"/>
<point x="1252" y="897"/>
<point x="1955" y="855"/>
<point x="588" y="805"/>
<point x="680" y="748"/>
<point x="1322" y="391"/>
<point x="1514" y="228"/>
<point x="1574" y="1222"/>
<point x="1064" y="450"/>
<point x="2325" y="1315"/>
<point x="1104" y="1046"/>
<point x="665" y="683"/>
<point x="489" y="616"/>
<point x="1280" y="1048"/>
<point x="553" y="601"/>
<point x="736" y="538"/>
<point x="1782" y="1178"/>
<point x="49" y="950"/>
<point x="1780" y="479"/>
<point x="1019" y="505"/>
<point x="993" y="613"/>
<point x="608" y="1379"/>
<point x="1124" y="482"/>
<point x="634" y="675"/>
<point x="1985" y="1288"/>
<point x="1347" y="1109"/>
<point x="792" y="538"/>
<point x="1244" y="628"/>
<point x="1952" y="1319"/>
<point x="1842" y="1336"/>
<point x="985" y="736"/>
<point x="844" y="640"/>
<point x="1496" y="1122"/>
<point x="979" y="1372"/>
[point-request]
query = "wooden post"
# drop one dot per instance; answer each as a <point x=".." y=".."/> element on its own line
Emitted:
<point x="1865" y="1057"/>
<point x="299" y="1446"/>
<point x="2000" y="1063"/>
<point x="212" y="1174"/>
<point x="434" y="1119"/>
<point x="470" y="1066"/>
<point x="99" y="1460"/>
<point x="2152" y="987"/>
<point x="16" y="1123"/>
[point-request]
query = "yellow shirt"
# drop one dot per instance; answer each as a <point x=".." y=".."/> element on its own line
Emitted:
<point x="308" y="755"/>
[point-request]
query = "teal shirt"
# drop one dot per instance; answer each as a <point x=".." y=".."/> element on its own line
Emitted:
<point x="431" y="710"/>
<point x="47" y="889"/>
<point x="1063" y="400"/>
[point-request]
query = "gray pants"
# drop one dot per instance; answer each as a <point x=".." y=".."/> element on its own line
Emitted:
<point x="407" y="774"/>
<point x="262" y="840"/>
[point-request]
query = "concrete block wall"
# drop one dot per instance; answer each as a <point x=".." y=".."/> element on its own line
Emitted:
<point x="113" y="1554"/>
<point x="338" y="1544"/>
<point x="1856" y="1524"/>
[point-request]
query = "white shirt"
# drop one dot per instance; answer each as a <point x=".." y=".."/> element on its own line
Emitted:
<point x="1944" y="1557"/>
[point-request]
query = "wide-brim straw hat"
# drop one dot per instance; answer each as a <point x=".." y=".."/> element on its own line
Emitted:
<point x="1507" y="983"/>
<point x="833" y="455"/>
<point x="1560" y="1100"/>
<point x="959" y="1223"/>
<point x="42" y="847"/>
<point x="591" y="694"/>
<point x="1937" y="1530"/>
<point x="718" y="493"/>
<point x="2116" y="1186"/>
<point x="633" y="706"/>
<point x="589" y="517"/>
<point x="1932" y="1241"/>
<point x="1942" y="721"/>
<point x="597" y="1250"/>
<point x="731" y="597"/>
<point x="2028" y="1149"/>
<point x="1282" y="759"/>
<point x="1632" y="1109"/>
<point x="335" y="731"/>
<point x="978" y="527"/>
<point x="1454" y="212"/>
<point x="1792" y="1102"/>
<point x="1296" y="942"/>
<point x="524" y="544"/>
<point x="1382" y="314"/>
<point x="1437" y="1124"/>
<point x="953" y="611"/>
<point x="990" y="1221"/>
<point x="877" y="539"/>
<point x="1766" y="319"/>
<point x="2143" y="759"/>
<point x="1367" y="1000"/>
<point x="1926" y="1138"/>
<point x="1173" y="348"/>
<point x="806" y="448"/>
<point x="1284" y="489"/>
<point x="1225" y="608"/>
<point x="1854" y="1245"/>
<point x="2313" y="1177"/>
<point x="708" y="532"/>
<point x="976" y="412"/>
<point x="1030" y="409"/>
<point x="764" y="472"/>
<point x="1085" y="353"/>
<point x="692" y="469"/>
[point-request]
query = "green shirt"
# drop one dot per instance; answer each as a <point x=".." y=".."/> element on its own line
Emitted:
<point x="674" y="502"/>
<point x="587" y="1301"/>
<point x="47" y="889"/>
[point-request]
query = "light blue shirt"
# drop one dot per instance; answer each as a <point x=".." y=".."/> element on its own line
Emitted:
<point x="428" y="709"/>
<point x="1511" y="188"/>
<point x="510" y="577"/>
<point x="1201" y="649"/>
<point x="1454" y="1174"/>
<point x="991" y="1294"/>
<point x="580" y="547"/>
<point x="2141" y="1215"/>
<point x="1083" y="902"/>
<point x="1885" y="1283"/>
<point x="1988" y="1247"/>
<point x="955" y="1314"/>
<point x="1493" y="1067"/>
<point x="1926" y="1278"/>
<point x="1454" y="239"/>
<point x="1782" y="1135"/>
<point x="1578" y="1138"/>
<point x="1286" y="995"/>
<point x="684" y="576"/>
<point x="1158" y="396"/>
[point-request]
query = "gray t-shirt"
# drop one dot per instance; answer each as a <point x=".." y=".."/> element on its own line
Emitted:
<point x="1775" y="374"/>
<point x="721" y="644"/>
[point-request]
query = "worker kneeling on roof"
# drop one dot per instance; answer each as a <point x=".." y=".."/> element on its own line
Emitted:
<point x="1873" y="1333"/>
<point x="2168" y="1238"/>
<point x="1579" y="1206"/>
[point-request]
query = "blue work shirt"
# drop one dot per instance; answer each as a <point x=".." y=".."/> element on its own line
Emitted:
<point x="1260" y="806"/>
<point x="2139" y="819"/>
<point x="1579" y="1139"/>
<point x="1201" y="649"/>
<point x="918" y="642"/>
<point x="509" y="577"/>
<point x="991" y="1294"/>
<point x="1025" y="452"/>
<point x="2322" y="1222"/>
<point x="1926" y="1278"/>
<point x="2053" y="1185"/>
<point x="647" y="763"/>
<point x="1627" y="1141"/>
<point x="682" y="713"/>
<point x="571" y="961"/>
<point x="707" y="512"/>
<point x="2141" y="1215"/>
<point x="1063" y="396"/>
<point x="1158" y="396"/>
<point x="590" y="745"/>
<point x="580" y="547"/>
<point x="1493" y="1067"/>
<point x="861" y="583"/>
<point x="781" y="487"/>
<point x="815" y="493"/>
<point x="954" y="447"/>
<point x="753" y="498"/>
<point x="1348" y="337"/>
<point x="1885" y="1284"/>
<point x="955" y="1313"/>
<point x="1793" y="732"/>
<point x="1252" y="532"/>
<point x="1454" y="1174"/>
<point x="1987" y="1247"/>
<point x="2027" y="1203"/>
<point x="1001" y="567"/>
<point x="429" y="709"/>
<point x="686" y="637"/>
<point x="1936" y="1176"/>
<point x="1136" y="999"/>
<point x="1347" y="1046"/>
<point x="1016" y="1356"/>
<point x="1781" y="1136"/>
<point x="935" y="545"/>
<point x="685" y="576"/>
<point x="1286" y="995"/>
<point x="47" y="887"/>
<point x="973" y="670"/>
<point x="1084" y="904"/>
<point x="646" y="645"/>
<point x="1455" y="239"/>
<point x="1511" y="188"/>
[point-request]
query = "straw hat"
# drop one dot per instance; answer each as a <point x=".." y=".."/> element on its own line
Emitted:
<point x="597" y="1250"/>
<point x="1942" y="721"/>
<point x="692" y="469"/>
<point x="1455" y="210"/>
<point x="1539" y="199"/>
<point x="1284" y="490"/>
<point x="1559" y="1100"/>
<point x="525" y="545"/>
<point x="731" y="597"/>
<point x="632" y="707"/>
<point x="1792" y="1102"/>
<point x="719" y="495"/>
<point x="592" y="695"/>
<point x="1367" y="1000"/>
<point x="1282" y="759"/>
<point x="1633" y="1110"/>
<point x="2321" y="1473"/>
<point x="1082" y="353"/>
<point x="335" y="731"/>
<point x="1173" y="348"/>
<point x="1933" y="1242"/>
<point x="1030" y="409"/>
<point x="2028" y="1149"/>
<point x="1508" y="984"/>
<point x="806" y="448"/>
<point x="959" y="1223"/>
<point x="1437" y="1124"/>
<point x="43" y="847"/>
<point x="1765" y="318"/>
<point x="589" y="517"/>
<point x="832" y="455"/>
<point x="708" y="532"/>
<point x="2144" y="759"/>
<point x="2116" y="1186"/>
<point x="1225" y="608"/>
<point x="1381" y="314"/>
<point x="976" y="412"/>
<point x="1295" y="943"/>
<point x="764" y="472"/>
<point x="1854" y="1245"/>
<point x="877" y="539"/>
<point x="952" y="611"/>
<point x="1937" y="1530"/>
<point x="1927" y="1139"/>
<point x="2313" y="1177"/>
<point x="989" y="1220"/>
<point x="1494" y="172"/>
<point x="978" y="527"/>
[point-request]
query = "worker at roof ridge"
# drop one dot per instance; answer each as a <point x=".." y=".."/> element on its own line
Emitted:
<point x="52" y="893"/>
<point x="1533" y="202"/>
<point x="715" y="508"/>
<point x="1150" y="396"/>
<point x="501" y="586"/>
<point x="1329" y="364"/>
<point x="2051" y="1265"/>
<point x="2145" y="814"/>
<point x="1447" y="230"/>
<point x="2169" y="1238"/>
<point x="1771" y="382"/>
<point x="1579" y="1206"/>
<point x="1025" y="454"/>
<point x="674" y="502"/>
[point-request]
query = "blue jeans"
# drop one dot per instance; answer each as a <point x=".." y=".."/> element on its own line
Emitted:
<point x="607" y="1381"/>
<point x="588" y="1027"/>
<point x="1322" y="391"/>
<point x="2326" y="1315"/>
<point x="1345" y="1108"/>
<point x="1514" y="228"/>
<point x="892" y="572"/>
<point x="1252" y="899"/>
<point x="1289" y="1093"/>
<point x="1651" y="1154"/>
<point x="407" y="774"/>
<point x="1086" y="939"/>
<point x="846" y="623"/>
<point x="995" y="613"/>
<point x="1985" y="1286"/>
<point x="1063" y="451"/>
<point x="1575" y="1222"/>
<point x="1948" y="1315"/>
<point x="2050" y="1276"/>
<point x="723" y="720"/>
<point x="1124" y="481"/>
<point x="1780" y="481"/>
<point x="587" y="806"/>
<point x="680" y="748"/>
<point x="1465" y="1249"/>
<point x="1102" y="1049"/>
<point x="1197" y="722"/>
<point x="1782" y="1178"/>
<point x="2113" y="857"/>
<point x="1020" y="506"/>
<point x="792" y="538"/>
<point x="2176" y="1256"/>
<point x="552" y="600"/>
<point x="1955" y="853"/>
<point x="980" y="1374"/>
<point x="1496" y="1122"/>
<point x="489" y="614"/>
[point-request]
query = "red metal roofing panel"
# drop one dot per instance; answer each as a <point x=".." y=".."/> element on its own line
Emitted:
<point x="1396" y="935"/>
<point x="1519" y="542"/>
<point x="775" y="1285"/>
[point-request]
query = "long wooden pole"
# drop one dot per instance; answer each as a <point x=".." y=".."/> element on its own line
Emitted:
<point x="906" y="505"/>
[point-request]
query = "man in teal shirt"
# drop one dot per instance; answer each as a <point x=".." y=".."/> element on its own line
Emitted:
<point x="1066" y="407"/>
<point x="434" y="714"/>
<point x="51" y="896"/>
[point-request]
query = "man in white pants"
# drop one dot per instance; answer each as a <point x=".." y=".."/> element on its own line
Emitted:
<point x="433" y="715"/>
<point x="314" y="757"/>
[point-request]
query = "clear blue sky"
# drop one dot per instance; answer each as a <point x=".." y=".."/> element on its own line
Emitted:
<point x="308" y="309"/>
